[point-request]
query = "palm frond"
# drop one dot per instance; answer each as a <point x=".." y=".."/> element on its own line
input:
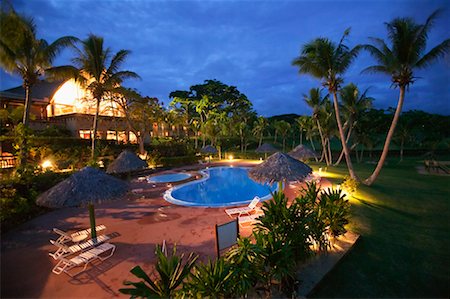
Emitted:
<point x="117" y="60"/>
<point x="376" y="69"/>
<point x="434" y="54"/>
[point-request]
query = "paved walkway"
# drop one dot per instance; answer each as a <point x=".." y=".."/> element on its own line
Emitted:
<point x="139" y="222"/>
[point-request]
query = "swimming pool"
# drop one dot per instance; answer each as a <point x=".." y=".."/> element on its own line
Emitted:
<point x="168" y="178"/>
<point x="220" y="187"/>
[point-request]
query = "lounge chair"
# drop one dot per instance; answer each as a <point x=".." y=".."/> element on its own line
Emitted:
<point x="244" y="210"/>
<point x="64" y="264"/>
<point x="249" y="219"/>
<point x="75" y="237"/>
<point x="64" y="250"/>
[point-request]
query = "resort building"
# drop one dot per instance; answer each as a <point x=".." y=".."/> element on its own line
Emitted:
<point x="67" y="105"/>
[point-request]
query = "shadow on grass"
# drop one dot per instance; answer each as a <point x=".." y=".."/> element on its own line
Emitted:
<point x="383" y="207"/>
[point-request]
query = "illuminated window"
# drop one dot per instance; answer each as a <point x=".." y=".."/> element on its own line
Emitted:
<point x="133" y="138"/>
<point x="85" y="134"/>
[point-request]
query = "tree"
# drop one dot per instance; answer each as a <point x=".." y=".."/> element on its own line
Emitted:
<point x="259" y="126"/>
<point x="327" y="61"/>
<point x="22" y="53"/>
<point x="302" y="123"/>
<point x="282" y="127"/>
<point x="97" y="70"/>
<point x="353" y="104"/>
<point x="408" y="41"/>
<point x="140" y="112"/>
<point x="316" y="102"/>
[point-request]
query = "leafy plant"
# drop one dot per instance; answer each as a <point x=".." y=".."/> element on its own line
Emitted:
<point x="350" y="185"/>
<point x="243" y="260"/>
<point x="336" y="211"/>
<point x="212" y="280"/>
<point x="171" y="273"/>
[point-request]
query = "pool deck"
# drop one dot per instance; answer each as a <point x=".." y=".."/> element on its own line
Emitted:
<point x="137" y="223"/>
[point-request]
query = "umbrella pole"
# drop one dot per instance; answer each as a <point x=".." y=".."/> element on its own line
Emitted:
<point x="280" y="186"/>
<point x="92" y="220"/>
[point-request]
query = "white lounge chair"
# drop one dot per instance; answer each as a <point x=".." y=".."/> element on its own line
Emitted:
<point x="75" y="237"/>
<point x="64" y="265"/>
<point x="244" y="210"/>
<point x="64" y="250"/>
<point x="249" y="219"/>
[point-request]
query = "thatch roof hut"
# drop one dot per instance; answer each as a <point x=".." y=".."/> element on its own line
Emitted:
<point x="126" y="162"/>
<point x="266" y="148"/>
<point x="279" y="167"/>
<point x="89" y="185"/>
<point x="302" y="152"/>
<point x="209" y="149"/>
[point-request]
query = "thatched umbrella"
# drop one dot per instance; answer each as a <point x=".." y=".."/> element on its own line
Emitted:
<point x="266" y="148"/>
<point x="302" y="152"/>
<point x="89" y="185"/>
<point x="85" y="187"/>
<point x="209" y="149"/>
<point x="279" y="167"/>
<point x="126" y="162"/>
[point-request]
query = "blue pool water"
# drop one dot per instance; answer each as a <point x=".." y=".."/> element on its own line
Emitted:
<point x="167" y="178"/>
<point x="222" y="186"/>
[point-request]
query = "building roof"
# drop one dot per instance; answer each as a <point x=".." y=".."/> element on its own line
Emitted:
<point x="41" y="91"/>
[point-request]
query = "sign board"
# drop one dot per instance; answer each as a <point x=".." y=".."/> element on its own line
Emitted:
<point x="226" y="235"/>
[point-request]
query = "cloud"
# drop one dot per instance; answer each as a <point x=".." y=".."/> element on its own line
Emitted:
<point x="248" y="44"/>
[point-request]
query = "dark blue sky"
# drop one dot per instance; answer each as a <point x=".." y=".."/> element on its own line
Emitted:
<point x="249" y="44"/>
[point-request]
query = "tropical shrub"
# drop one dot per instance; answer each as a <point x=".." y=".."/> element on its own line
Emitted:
<point x="172" y="271"/>
<point x="336" y="211"/>
<point x="349" y="185"/>
<point x="288" y="224"/>
<point x="244" y="260"/>
<point x="213" y="279"/>
<point x="18" y="196"/>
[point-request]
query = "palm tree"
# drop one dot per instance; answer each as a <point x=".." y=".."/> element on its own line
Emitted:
<point x="22" y="53"/>
<point x="316" y="102"/>
<point x="353" y="103"/>
<point x="302" y="123"/>
<point x="96" y="69"/>
<point x="399" y="60"/>
<point x="259" y="126"/>
<point x="282" y="127"/>
<point x="327" y="61"/>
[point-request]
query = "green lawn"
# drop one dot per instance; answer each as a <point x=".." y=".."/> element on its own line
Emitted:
<point x="404" y="221"/>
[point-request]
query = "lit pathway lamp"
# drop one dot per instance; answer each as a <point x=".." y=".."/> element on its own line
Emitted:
<point x="280" y="168"/>
<point x="302" y="153"/>
<point x="265" y="148"/>
<point x="209" y="149"/>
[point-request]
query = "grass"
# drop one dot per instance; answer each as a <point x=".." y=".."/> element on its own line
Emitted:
<point x="405" y="246"/>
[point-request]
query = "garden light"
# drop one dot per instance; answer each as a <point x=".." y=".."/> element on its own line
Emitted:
<point x="230" y="157"/>
<point x="47" y="164"/>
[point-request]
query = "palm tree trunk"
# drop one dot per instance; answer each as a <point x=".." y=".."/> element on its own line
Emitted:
<point x="26" y="111"/>
<point x="401" y="150"/>
<point x="260" y="139"/>
<point x="94" y="133"/>
<point x="342" y="137"/>
<point x="322" y="139"/>
<point x="349" y="133"/>
<point x="330" y="156"/>
<point x="370" y="180"/>
<point x="301" y="136"/>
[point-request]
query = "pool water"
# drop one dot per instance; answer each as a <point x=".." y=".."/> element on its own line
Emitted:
<point x="222" y="186"/>
<point x="168" y="178"/>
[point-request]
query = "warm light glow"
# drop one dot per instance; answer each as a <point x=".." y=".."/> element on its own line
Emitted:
<point x="230" y="157"/>
<point x="260" y="159"/>
<point x="72" y="98"/>
<point x="327" y="174"/>
<point x="47" y="164"/>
